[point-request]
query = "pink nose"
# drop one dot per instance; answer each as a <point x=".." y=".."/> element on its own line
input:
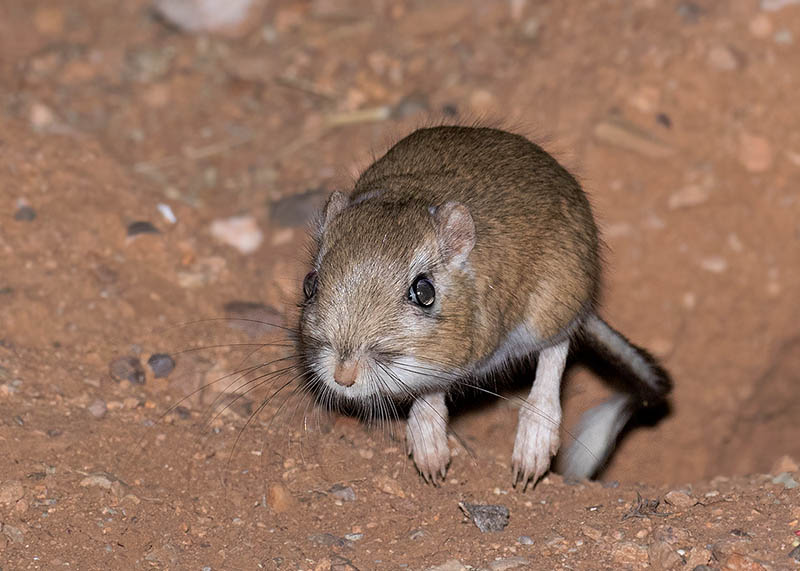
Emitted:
<point x="346" y="372"/>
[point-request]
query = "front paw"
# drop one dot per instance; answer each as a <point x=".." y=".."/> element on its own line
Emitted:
<point x="536" y="443"/>
<point x="426" y="441"/>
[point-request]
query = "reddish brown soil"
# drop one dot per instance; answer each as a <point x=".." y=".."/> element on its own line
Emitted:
<point x="105" y="112"/>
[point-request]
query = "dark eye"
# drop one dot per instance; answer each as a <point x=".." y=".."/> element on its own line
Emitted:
<point x="422" y="292"/>
<point x="310" y="284"/>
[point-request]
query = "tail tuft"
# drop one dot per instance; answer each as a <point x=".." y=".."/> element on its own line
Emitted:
<point x="600" y="427"/>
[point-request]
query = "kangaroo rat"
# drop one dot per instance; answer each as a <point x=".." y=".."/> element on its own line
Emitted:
<point x="459" y="251"/>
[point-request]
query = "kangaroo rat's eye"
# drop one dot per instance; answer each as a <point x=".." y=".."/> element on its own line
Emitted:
<point x="310" y="284"/>
<point x="422" y="292"/>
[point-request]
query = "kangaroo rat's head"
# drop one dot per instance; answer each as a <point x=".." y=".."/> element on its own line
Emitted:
<point x="386" y="301"/>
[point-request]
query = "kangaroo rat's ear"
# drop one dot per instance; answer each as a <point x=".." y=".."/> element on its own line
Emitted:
<point x="456" y="231"/>
<point x="336" y="203"/>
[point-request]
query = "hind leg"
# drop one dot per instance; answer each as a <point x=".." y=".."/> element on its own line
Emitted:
<point x="537" y="438"/>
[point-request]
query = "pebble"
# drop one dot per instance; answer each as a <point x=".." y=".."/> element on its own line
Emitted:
<point x="722" y="58"/>
<point x="714" y="264"/>
<point x="755" y="153"/>
<point x="679" y="499"/>
<point x="343" y="493"/>
<point x="662" y="556"/>
<point x="482" y="102"/>
<point x="10" y="492"/>
<point x="416" y="534"/>
<point x="328" y="539"/>
<point x="161" y="364"/>
<point x="297" y="209"/>
<point x="207" y="15"/>
<point x="698" y="556"/>
<point x="625" y="135"/>
<point x="204" y="271"/>
<point x="786" y="479"/>
<point x="525" y="540"/>
<point x="390" y="486"/>
<point x="486" y="517"/>
<point x="41" y="117"/>
<point x="98" y="408"/>
<point x="127" y="369"/>
<point x="166" y="212"/>
<point x="692" y="195"/>
<point x="630" y="554"/>
<point x="592" y="532"/>
<point x="141" y="227"/>
<point x="13" y="533"/>
<point x="25" y="213"/>
<point x="776" y="5"/>
<point x="727" y="547"/>
<point x="508" y="563"/>
<point x="784" y="464"/>
<point x="241" y="232"/>
<point x="279" y="498"/>
<point x="452" y="565"/>
<point x="738" y="562"/>
<point x="795" y="553"/>
<point x="761" y="26"/>
<point x="100" y="480"/>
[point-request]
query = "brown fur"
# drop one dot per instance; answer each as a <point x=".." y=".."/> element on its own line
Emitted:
<point x="535" y="259"/>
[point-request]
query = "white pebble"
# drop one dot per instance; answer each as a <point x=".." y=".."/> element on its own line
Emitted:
<point x="241" y="232"/>
<point x="166" y="212"/>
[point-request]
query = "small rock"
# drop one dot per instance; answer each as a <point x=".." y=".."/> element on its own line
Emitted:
<point x="98" y="408"/>
<point x="738" y="562"/>
<point x="625" y="135"/>
<point x="42" y="117"/>
<point x="525" y="540"/>
<point x="486" y="517"/>
<point x="279" y="498"/>
<point x="692" y="195"/>
<point x="714" y="264"/>
<point x="141" y="227"/>
<point x="166" y="212"/>
<point x="14" y="534"/>
<point x="663" y="556"/>
<point x="482" y="102"/>
<point x="761" y="26"/>
<point x="722" y="58"/>
<point x="795" y="553"/>
<point x="416" y="534"/>
<point x="775" y="5"/>
<point x="328" y="539"/>
<point x="25" y="213"/>
<point x="508" y="563"/>
<point x="10" y="492"/>
<point x="698" y="557"/>
<point x="343" y="493"/>
<point x="689" y="11"/>
<point x="679" y="499"/>
<point x="755" y="153"/>
<point x="101" y="480"/>
<point x="127" y="369"/>
<point x="786" y="479"/>
<point x="390" y="486"/>
<point x="630" y="554"/>
<point x="241" y="232"/>
<point x="226" y="16"/>
<point x="452" y="565"/>
<point x="592" y="532"/>
<point x="161" y="364"/>
<point x="723" y="549"/>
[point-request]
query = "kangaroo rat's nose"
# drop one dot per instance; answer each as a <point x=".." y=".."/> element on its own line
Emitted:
<point x="346" y="372"/>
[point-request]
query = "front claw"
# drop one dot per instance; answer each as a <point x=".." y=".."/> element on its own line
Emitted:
<point x="426" y="438"/>
<point x="536" y="443"/>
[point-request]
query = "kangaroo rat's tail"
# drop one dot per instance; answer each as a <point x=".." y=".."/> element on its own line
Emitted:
<point x="599" y="427"/>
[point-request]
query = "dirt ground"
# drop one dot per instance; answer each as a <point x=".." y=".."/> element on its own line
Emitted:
<point x="680" y="118"/>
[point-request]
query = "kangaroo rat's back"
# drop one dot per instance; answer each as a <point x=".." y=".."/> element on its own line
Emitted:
<point x="535" y="232"/>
